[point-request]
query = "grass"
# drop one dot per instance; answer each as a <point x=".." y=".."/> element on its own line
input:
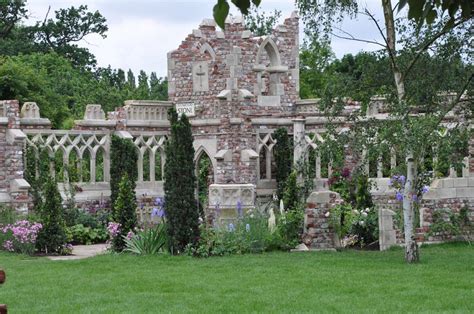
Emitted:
<point x="351" y="281"/>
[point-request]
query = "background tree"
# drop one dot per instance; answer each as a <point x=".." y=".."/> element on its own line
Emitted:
<point x="158" y="87"/>
<point x="143" y="90"/>
<point x="180" y="184"/>
<point x="260" y="23"/>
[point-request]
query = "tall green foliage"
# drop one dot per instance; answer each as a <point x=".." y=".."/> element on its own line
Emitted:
<point x="125" y="210"/>
<point x="180" y="183"/>
<point x="283" y="153"/>
<point x="291" y="194"/>
<point x="52" y="237"/>
<point x="123" y="160"/>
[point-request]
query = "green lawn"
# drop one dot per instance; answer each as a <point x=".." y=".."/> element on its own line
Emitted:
<point x="349" y="281"/>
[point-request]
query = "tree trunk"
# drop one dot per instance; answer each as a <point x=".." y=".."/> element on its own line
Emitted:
<point x="411" y="252"/>
<point x="411" y="248"/>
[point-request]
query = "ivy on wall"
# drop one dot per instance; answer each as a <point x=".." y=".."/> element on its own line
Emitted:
<point x="283" y="153"/>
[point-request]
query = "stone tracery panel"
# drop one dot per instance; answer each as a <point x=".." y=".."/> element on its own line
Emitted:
<point x="151" y="155"/>
<point x="79" y="146"/>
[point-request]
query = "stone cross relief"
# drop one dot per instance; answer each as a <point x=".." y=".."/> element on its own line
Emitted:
<point x="200" y="76"/>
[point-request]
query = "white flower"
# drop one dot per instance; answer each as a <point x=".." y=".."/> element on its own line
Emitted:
<point x="361" y="222"/>
<point x="364" y="214"/>
<point x="367" y="210"/>
<point x="327" y="214"/>
<point x="355" y="211"/>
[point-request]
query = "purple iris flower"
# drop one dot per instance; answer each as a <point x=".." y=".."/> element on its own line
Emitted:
<point x="159" y="202"/>
<point x="399" y="196"/>
<point x="425" y="189"/>
<point x="402" y="179"/>
<point x="239" y="208"/>
<point x="415" y="198"/>
<point x="154" y="212"/>
<point x="231" y="227"/>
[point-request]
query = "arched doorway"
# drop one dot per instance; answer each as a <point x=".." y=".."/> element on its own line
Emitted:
<point x="204" y="177"/>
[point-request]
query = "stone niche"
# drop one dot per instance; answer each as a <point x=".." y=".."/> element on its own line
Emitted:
<point x="223" y="199"/>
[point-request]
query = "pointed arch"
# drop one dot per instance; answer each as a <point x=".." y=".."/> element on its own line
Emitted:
<point x="206" y="48"/>
<point x="269" y="46"/>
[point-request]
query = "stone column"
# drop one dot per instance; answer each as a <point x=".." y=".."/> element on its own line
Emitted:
<point x="298" y="139"/>
<point x="13" y="167"/>
<point x="318" y="233"/>
<point x="387" y="233"/>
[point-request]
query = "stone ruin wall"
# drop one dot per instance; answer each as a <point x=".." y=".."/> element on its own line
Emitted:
<point x="243" y="88"/>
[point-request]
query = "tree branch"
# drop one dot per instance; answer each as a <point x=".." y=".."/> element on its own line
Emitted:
<point x="351" y="37"/>
<point x="455" y="101"/>
<point x="427" y="45"/>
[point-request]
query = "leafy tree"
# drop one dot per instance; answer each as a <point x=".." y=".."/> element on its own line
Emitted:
<point x="125" y="207"/>
<point x="180" y="184"/>
<point x="413" y="88"/>
<point x="259" y="23"/>
<point x="11" y="12"/>
<point x="158" y="87"/>
<point x="70" y="26"/>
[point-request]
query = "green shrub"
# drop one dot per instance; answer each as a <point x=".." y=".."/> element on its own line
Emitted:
<point x="80" y="234"/>
<point x="290" y="228"/>
<point x="248" y="234"/>
<point x="125" y="211"/>
<point x="291" y="194"/>
<point x="148" y="242"/>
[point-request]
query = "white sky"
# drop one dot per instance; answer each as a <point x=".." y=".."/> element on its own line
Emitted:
<point x="141" y="32"/>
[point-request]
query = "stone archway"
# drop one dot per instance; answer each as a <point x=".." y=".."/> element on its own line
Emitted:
<point x="204" y="169"/>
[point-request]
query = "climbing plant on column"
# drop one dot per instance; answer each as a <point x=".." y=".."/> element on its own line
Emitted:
<point x="180" y="183"/>
<point x="283" y="152"/>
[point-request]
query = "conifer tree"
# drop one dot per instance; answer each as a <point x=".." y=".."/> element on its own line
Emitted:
<point x="143" y="90"/>
<point x="124" y="156"/>
<point x="52" y="237"/>
<point x="180" y="183"/>
<point x="125" y="210"/>
<point x="131" y="80"/>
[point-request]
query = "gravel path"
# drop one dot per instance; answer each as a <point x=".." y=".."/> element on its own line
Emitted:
<point x="82" y="251"/>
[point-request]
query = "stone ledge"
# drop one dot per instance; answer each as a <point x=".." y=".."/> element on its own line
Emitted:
<point x="14" y="135"/>
<point x="19" y="185"/>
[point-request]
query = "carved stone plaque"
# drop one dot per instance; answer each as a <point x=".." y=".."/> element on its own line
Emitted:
<point x="200" y="76"/>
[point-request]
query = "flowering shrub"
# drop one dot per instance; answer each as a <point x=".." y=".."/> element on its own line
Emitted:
<point x="20" y="237"/>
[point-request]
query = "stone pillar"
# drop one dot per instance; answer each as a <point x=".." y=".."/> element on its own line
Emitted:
<point x="387" y="233"/>
<point x="298" y="139"/>
<point x="12" y="140"/>
<point x="471" y="156"/>
<point x="318" y="233"/>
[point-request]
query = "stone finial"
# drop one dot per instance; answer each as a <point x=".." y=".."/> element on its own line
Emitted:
<point x="234" y="19"/>
<point x="208" y="23"/>
<point x="94" y="112"/>
<point x="294" y="14"/>
<point x="30" y="110"/>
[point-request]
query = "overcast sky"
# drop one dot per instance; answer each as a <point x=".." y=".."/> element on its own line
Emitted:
<point x="141" y="32"/>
